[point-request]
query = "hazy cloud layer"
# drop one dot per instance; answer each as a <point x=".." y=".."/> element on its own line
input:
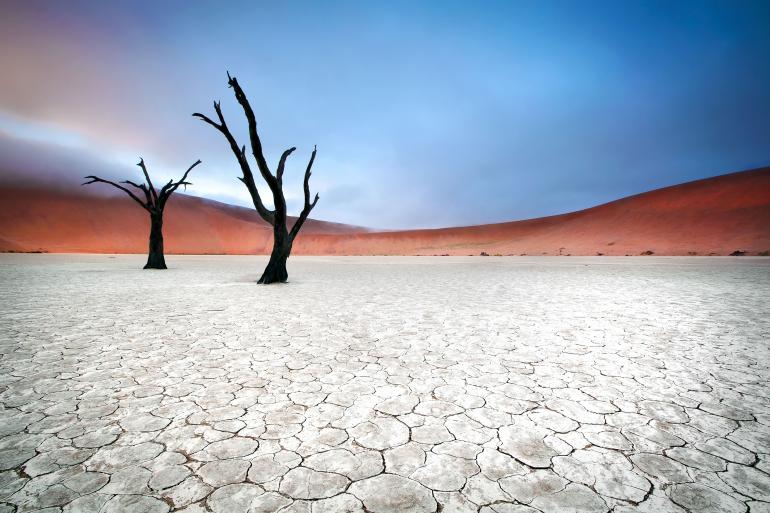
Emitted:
<point x="424" y="114"/>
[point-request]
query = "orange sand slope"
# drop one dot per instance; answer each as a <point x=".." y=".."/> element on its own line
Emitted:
<point x="713" y="216"/>
<point x="67" y="221"/>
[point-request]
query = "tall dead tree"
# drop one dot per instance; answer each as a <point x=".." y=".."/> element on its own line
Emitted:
<point x="154" y="203"/>
<point x="275" y="272"/>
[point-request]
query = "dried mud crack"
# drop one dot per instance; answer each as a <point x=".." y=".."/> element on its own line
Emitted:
<point x="385" y="385"/>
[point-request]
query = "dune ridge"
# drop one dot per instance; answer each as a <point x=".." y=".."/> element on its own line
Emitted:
<point x="718" y="215"/>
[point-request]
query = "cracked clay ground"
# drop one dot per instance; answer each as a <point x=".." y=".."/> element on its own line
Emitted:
<point x="404" y="385"/>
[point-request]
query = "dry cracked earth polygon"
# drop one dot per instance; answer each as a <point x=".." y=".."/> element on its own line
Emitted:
<point x="385" y="385"/>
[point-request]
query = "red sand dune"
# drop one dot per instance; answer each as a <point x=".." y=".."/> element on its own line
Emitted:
<point x="713" y="216"/>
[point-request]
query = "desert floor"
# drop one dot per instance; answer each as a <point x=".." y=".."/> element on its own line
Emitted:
<point x="385" y="385"/>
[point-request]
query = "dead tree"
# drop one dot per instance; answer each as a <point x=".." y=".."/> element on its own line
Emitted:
<point x="275" y="272"/>
<point x="154" y="203"/>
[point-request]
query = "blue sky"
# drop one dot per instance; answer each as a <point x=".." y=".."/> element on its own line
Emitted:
<point x="425" y="113"/>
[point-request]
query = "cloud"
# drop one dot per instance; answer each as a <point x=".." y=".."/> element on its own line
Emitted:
<point x="29" y="163"/>
<point x="42" y="164"/>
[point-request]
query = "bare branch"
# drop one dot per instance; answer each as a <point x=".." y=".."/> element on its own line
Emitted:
<point x="240" y="154"/>
<point x="129" y="182"/>
<point x="149" y="182"/>
<point x="142" y="188"/>
<point x="172" y="186"/>
<point x="256" y="144"/>
<point x="218" y="110"/>
<point x="184" y="176"/>
<point x="211" y="121"/>
<point x="282" y="164"/>
<point x="95" y="179"/>
<point x="308" y="172"/>
<point x="308" y="204"/>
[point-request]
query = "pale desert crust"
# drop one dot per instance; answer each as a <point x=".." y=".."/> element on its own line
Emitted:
<point x="392" y="384"/>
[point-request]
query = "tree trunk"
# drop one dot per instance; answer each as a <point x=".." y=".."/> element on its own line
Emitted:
<point x="155" y="259"/>
<point x="275" y="272"/>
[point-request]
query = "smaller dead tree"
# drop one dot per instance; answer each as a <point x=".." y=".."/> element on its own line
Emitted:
<point x="154" y="203"/>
